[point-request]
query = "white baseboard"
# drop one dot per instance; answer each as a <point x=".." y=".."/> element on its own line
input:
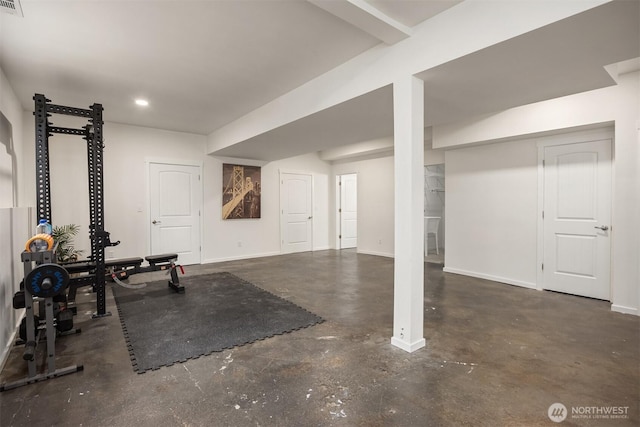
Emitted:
<point x="240" y="257"/>
<point x="384" y="254"/>
<point x="625" y="310"/>
<point x="491" y="277"/>
<point x="407" y="346"/>
<point x="261" y="255"/>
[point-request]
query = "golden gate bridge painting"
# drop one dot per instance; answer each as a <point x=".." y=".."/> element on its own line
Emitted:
<point x="240" y="191"/>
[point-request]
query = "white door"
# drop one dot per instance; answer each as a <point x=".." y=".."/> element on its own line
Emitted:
<point x="577" y="219"/>
<point x="296" y="212"/>
<point x="175" y="198"/>
<point x="348" y="211"/>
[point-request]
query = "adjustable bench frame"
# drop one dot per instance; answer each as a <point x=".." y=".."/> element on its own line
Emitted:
<point x="121" y="269"/>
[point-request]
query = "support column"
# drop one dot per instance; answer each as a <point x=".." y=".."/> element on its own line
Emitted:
<point x="408" y="303"/>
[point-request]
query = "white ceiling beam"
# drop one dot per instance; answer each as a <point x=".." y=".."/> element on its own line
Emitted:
<point x="366" y="148"/>
<point x="363" y="15"/>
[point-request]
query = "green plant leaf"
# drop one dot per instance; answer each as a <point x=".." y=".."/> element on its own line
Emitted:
<point x="63" y="236"/>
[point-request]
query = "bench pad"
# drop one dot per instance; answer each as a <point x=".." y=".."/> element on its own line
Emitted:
<point x="123" y="262"/>
<point x="79" y="267"/>
<point x="160" y="259"/>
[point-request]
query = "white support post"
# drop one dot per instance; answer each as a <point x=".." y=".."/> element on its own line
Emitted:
<point x="408" y="305"/>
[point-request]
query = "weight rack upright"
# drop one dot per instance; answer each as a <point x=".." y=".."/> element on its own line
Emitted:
<point x="92" y="133"/>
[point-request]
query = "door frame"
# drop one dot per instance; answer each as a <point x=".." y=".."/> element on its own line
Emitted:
<point x="605" y="132"/>
<point x="282" y="172"/>
<point x="147" y="207"/>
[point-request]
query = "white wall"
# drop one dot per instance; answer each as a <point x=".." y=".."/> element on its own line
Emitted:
<point x="261" y="237"/>
<point x="375" y="200"/>
<point x="14" y="227"/>
<point x="618" y="105"/>
<point x="491" y="212"/>
<point x="375" y="168"/>
<point x="6" y="163"/>
<point x="127" y="151"/>
<point x="375" y="204"/>
<point x="126" y="201"/>
<point x="433" y="157"/>
<point x="12" y="110"/>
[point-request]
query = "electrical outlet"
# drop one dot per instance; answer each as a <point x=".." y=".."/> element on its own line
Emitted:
<point x="379" y="242"/>
<point x="239" y="244"/>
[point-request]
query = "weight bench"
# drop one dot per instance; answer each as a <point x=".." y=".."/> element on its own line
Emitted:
<point x="164" y="262"/>
<point x="79" y="267"/>
<point x="161" y="259"/>
<point x="122" y="268"/>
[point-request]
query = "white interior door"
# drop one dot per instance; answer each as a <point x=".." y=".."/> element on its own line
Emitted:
<point x="175" y="199"/>
<point x="348" y="211"/>
<point x="296" y="212"/>
<point x="577" y="218"/>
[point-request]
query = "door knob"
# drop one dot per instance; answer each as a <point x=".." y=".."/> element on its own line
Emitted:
<point x="154" y="222"/>
<point x="602" y="227"/>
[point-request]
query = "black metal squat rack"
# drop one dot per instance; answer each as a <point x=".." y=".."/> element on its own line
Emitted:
<point x="92" y="133"/>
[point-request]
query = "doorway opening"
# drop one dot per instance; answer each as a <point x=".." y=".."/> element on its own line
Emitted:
<point x="434" y="213"/>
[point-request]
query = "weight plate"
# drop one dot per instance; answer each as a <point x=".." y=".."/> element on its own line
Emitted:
<point x="47" y="280"/>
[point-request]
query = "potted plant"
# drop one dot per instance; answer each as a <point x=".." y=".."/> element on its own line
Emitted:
<point x="63" y="236"/>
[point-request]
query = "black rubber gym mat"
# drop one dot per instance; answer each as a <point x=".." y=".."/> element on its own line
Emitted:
<point x="217" y="311"/>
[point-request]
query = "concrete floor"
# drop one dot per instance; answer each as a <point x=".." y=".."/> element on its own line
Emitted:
<point x="496" y="355"/>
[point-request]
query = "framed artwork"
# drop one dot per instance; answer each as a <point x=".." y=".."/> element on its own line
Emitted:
<point x="240" y="191"/>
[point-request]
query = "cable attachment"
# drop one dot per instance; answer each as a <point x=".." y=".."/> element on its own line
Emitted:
<point x="114" y="276"/>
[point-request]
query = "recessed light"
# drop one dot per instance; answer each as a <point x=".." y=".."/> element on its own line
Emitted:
<point x="142" y="102"/>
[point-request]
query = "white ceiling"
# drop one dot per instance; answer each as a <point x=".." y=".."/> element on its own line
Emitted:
<point x="563" y="58"/>
<point x="202" y="64"/>
<point x="560" y="59"/>
<point x="412" y="12"/>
